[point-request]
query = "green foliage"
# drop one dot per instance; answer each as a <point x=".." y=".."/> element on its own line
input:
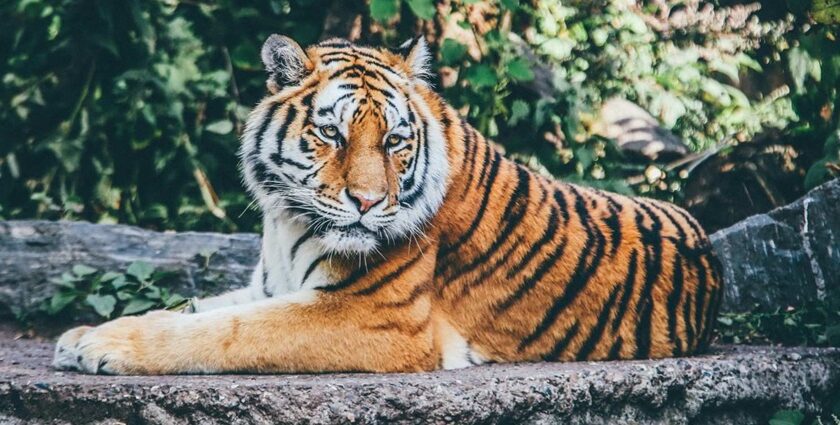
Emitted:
<point x="787" y="417"/>
<point x="85" y="291"/>
<point x="106" y="104"/>
<point x="813" y="325"/>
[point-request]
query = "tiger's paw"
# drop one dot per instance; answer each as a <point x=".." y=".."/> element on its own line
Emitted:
<point x="65" y="357"/>
<point x="113" y="348"/>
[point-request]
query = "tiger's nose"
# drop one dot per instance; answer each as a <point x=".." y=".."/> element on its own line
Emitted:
<point x="365" y="201"/>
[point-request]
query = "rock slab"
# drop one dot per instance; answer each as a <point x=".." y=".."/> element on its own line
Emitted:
<point x="33" y="252"/>
<point x="787" y="257"/>
<point x="731" y="385"/>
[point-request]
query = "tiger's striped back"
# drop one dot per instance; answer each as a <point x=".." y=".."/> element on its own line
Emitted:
<point x="540" y="269"/>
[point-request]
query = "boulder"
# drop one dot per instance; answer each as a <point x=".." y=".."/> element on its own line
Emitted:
<point x="787" y="257"/>
<point x="33" y="252"/>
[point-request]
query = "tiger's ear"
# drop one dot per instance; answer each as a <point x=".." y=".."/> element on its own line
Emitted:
<point x="416" y="54"/>
<point x="285" y="61"/>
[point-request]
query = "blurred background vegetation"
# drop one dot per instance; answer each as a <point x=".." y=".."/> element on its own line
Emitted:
<point x="130" y="111"/>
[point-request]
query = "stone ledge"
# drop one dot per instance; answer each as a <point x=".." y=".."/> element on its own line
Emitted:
<point x="736" y="385"/>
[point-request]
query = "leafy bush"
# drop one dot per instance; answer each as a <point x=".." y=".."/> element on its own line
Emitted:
<point x="85" y="291"/>
<point x="129" y="112"/>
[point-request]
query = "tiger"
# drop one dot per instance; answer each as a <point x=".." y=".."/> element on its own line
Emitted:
<point x="396" y="238"/>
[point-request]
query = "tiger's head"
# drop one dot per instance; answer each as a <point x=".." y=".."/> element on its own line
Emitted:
<point x="349" y="141"/>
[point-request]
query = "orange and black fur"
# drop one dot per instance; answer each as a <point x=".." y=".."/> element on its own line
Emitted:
<point x="396" y="238"/>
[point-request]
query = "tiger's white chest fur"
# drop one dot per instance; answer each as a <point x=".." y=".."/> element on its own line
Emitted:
<point x="290" y="259"/>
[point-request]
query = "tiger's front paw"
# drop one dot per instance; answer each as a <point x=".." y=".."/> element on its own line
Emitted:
<point x="65" y="357"/>
<point x="118" y="347"/>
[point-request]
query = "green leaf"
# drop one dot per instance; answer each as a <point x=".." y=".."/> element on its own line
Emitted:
<point x="520" y="70"/>
<point x="174" y="300"/>
<point x="423" y="9"/>
<point x="60" y="300"/>
<point x="510" y="4"/>
<point x="826" y="11"/>
<point x="138" y="305"/>
<point x="153" y="292"/>
<point x="109" y="276"/>
<point x="220" y="127"/>
<point x="125" y="295"/>
<point x="83" y="270"/>
<point x="481" y="76"/>
<point x="245" y="56"/>
<point x="141" y="270"/>
<point x="102" y="304"/>
<point x="518" y="111"/>
<point x="383" y="10"/>
<point x="787" y="417"/>
<point x="452" y="52"/>
<point x="120" y="281"/>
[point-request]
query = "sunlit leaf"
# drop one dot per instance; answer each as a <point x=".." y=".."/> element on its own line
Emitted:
<point x="520" y="70"/>
<point x="383" y="10"/>
<point x="423" y="9"/>
<point x="452" y="52"/>
<point x="138" y="305"/>
<point x="141" y="270"/>
<point x="481" y="76"/>
<point x="102" y="304"/>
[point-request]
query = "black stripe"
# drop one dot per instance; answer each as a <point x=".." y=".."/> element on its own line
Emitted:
<point x="514" y="212"/>
<point x="269" y="116"/>
<point x="695" y="227"/>
<point x="472" y="145"/>
<point x="560" y="198"/>
<point x="598" y="331"/>
<point x="547" y="236"/>
<point x="484" y="277"/>
<point x="652" y="239"/>
<point x="629" y="284"/>
<point x="412" y="297"/>
<point x="309" y="233"/>
<point x="561" y="345"/>
<point x="379" y="284"/>
<point x="615" y="350"/>
<point x="700" y="301"/>
<point x="689" y="325"/>
<point x="583" y="272"/>
<point x="277" y="159"/>
<point x="673" y="303"/>
<point x="613" y="222"/>
<point x="312" y="267"/>
<point x="545" y="265"/>
<point x="482" y="209"/>
<point x="281" y="134"/>
<point x="419" y="188"/>
<point x="265" y="290"/>
<point x="353" y="277"/>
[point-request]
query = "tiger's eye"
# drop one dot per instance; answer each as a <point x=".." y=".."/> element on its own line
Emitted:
<point x="393" y="140"/>
<point x="330" y="131"/>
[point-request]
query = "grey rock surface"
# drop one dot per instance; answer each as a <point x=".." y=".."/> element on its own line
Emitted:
<point x="730" y="385"/>
<point x="787" y="257"/>
<point x="32" y="252"/>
